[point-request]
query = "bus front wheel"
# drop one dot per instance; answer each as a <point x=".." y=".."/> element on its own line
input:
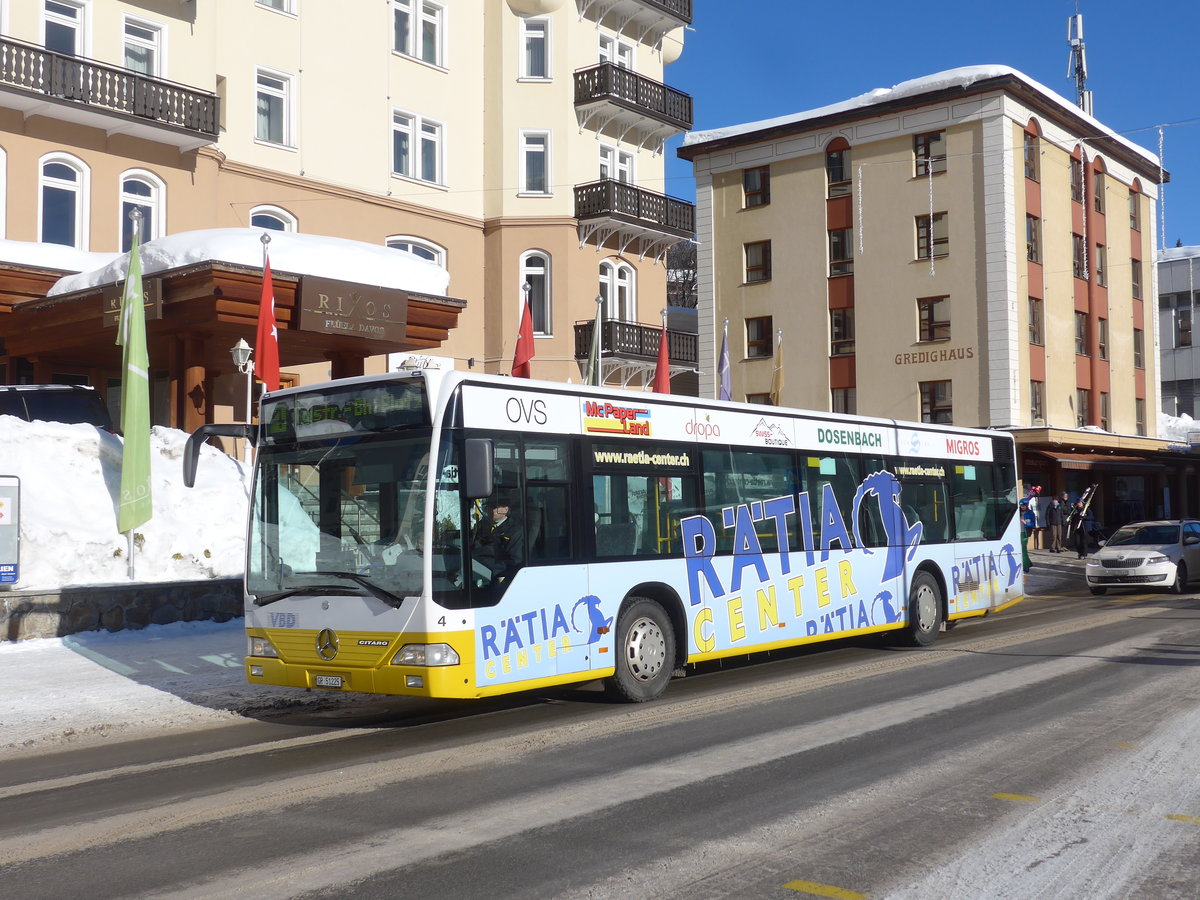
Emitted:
<point x="924" y="610"/>
<point x="645" y="649"/>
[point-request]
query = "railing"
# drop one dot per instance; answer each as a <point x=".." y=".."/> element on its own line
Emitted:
<point x="608" y="81"/>
<point x="107" y="87"/>
<point x="611" y="198"/>
<point x="680" y="9"/>
<point x="629" y="339"/>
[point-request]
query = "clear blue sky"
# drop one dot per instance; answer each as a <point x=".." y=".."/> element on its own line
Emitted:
<point x="747" y="60"/>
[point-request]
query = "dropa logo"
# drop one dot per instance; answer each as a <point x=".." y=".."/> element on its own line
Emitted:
<point x="610" y="418"/>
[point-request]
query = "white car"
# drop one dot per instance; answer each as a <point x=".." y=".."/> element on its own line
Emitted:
<point x="1162" y="553"/>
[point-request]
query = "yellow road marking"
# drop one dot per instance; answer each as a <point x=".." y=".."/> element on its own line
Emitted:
<point x="824" y="890"/>
<point x="1020" y="798"/>
<point x="1195" y="820"/>
<point x="1125" y="745"/>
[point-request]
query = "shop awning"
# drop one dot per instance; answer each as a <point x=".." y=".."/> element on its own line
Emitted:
<point x="1097" y="460"/>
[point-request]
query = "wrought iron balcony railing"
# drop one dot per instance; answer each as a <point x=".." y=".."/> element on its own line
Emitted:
<point x="610" y="83"/>
<point x="617" y="200"/>
<point x="679" y="11"/>
<point x="630" y="340"/>
<point x="39" y="71"/>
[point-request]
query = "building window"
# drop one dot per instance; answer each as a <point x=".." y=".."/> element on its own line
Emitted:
<point x="1076" y="181"/>
<point x="535" y="162"/>
<point x="616" y="164"/>
<point x="63" y="190"/>
<point x="1139" y="415"/>
<point x="618" y="291"/>
<point x="272" y="218"/>
<point x="844" y="400"/>
<point x="63" y="27"/>
<point x="535" y="49"/>
<point x="1032" y="155"/>
<point x="144" y="192"/>
<point x="1081" y="333"/>
<point x="760" y="399"/>
<point x="1098" y="190"/>
<point x="756" y="186"/>
<point x="1183" y="327"/>
<point x="1037" y="403"/>
<point x="1102" y="338"/>
<point x="283" y="6"/>
<point x="424" y="249"/>
<point x="933" y="319"/>
<point x="1101" y="265"/>
<point x="1081" y="407"/>
<point x="758" y="261"/>
<point x="416" y="147"/>
<point x="1104" y="411"/>
<point x="936" y="241"/>
<point x="936" y="402"/>
<point x="841" y="251"/>
<point x="1078" y="268"/>
<point x="274" y="108"/>
<point x="143" y="47"/>
<point x="841" y="332"/>
<point x="1135" y="212"/>
<point x="417" y="30"/>
<point x="837" y="172"/>
<point x="1135" y="275"/>
<point x="1037" y="333"/>
<point x="929" y="152"/>
<point x="616" y="51"/>
<point x="760" y="337"/>
<point x="1139" y="348"/>
<point x="535" y="272"/>
<point x="1033" y="239"/>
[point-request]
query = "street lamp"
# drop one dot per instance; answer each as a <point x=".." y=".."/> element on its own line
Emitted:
<point x="241" y="353"/>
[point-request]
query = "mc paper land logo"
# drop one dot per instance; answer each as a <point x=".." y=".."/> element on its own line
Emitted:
<point x="609" y="418"/>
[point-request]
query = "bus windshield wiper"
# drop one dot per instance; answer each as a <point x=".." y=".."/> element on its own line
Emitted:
<point x="265" y="599"/>
<point x="386" y="596"/>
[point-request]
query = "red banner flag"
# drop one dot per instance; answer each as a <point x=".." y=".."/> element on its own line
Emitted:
<point x="266" y="345"/>
<point x="662" y="370"/>
<point x="524" y="352"/>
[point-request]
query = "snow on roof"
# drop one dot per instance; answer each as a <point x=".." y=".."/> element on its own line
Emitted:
<point x="299" y="254"/>
<point x="1178" y="253"/>
<point x="961" y="77"/>
<point x="51" y="256"/>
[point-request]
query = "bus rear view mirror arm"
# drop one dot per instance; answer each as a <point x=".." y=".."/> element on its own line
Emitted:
<point x="191" y="451"/>
<point x="480" y="456"/>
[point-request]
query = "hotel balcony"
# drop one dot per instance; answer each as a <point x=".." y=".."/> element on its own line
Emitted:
<point x="646" y="20"/>
<point x="629" y="352"/>
<point x="621" y="217"/>
<point x="40" y="82"/>
<point x="630" y="106"/>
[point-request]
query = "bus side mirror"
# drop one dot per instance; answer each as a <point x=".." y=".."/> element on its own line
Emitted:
<point x="191" y="451"/>
<point x="479" y="455"/>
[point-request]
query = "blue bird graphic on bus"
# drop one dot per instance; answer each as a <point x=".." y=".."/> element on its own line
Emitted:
<point x="901" y="535"/>
<point x="595" y="616"/>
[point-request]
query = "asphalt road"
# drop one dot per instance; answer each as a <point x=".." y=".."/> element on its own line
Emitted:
<point x="1048" y="751"/>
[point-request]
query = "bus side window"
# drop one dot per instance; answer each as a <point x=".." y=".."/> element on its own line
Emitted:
<point x="638" y="515"/>
<point x="736" y="477"/>
<point x="548" y="489"/>
<point x="840" y="473"/>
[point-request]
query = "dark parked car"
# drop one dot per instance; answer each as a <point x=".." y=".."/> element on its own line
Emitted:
<point x="70" y="403"/>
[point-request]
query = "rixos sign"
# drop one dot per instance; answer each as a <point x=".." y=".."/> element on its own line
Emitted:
<point x="353" y="310"/>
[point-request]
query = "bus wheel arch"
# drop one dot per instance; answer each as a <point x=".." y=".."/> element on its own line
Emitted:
<point x="927" y="606"/>
<point x="645" y="647"/>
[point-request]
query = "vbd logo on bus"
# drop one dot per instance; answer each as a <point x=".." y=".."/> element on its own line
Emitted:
<point x="812" y="586"/>
<point x="611" y="418"/>
<point x="538" y="635"/>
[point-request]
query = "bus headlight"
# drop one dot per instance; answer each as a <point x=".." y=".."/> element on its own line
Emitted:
<point x="262" y="647"/>
<point x="426" y="655"/>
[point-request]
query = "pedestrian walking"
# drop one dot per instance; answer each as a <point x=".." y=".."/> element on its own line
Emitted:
<point x="1056" y="515"/>
<point x="1079" y="535"/>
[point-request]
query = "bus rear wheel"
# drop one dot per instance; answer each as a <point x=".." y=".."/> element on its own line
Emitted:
<point x="924" y="610"/>
<point x="645" y="649"/>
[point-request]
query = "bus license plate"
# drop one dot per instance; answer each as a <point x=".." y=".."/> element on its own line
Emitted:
<point x="329" y="681"/>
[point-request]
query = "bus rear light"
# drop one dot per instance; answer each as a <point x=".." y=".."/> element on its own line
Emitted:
<point x="426" y="655"/>
<point x="263" y="647"/>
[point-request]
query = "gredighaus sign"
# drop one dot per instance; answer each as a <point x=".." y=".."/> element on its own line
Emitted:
<point x="353" y="310"/>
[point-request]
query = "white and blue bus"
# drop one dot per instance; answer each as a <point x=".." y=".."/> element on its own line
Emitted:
<point x="442" y="534"/>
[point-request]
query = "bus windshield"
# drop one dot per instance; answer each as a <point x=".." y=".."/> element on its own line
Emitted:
<point x="340" y="517"/>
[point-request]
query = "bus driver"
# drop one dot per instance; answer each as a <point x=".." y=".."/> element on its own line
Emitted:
<point x="499" y="540"/>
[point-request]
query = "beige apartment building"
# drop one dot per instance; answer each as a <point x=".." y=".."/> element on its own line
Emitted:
<point x="966" y="247"/>
<point x="516" y="143"/>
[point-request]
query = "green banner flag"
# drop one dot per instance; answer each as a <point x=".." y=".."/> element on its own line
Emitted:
<point x="135" y="504"/>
